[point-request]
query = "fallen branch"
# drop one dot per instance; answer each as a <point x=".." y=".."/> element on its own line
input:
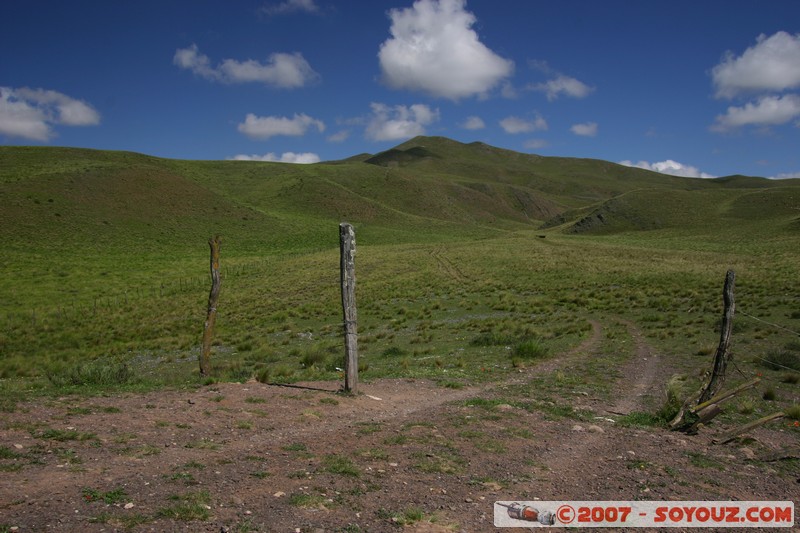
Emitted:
<point x="730" y="435"/>
<point x="703" y="417"/>
<point x="725" y="395"/>
<point x="689" y="419"/>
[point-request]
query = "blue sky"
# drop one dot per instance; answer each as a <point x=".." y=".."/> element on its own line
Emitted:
<point x="700" y="88"/>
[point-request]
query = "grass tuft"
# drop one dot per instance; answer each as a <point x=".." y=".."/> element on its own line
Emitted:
<point x="530" y="349"/>
<point x="95" y="373"/>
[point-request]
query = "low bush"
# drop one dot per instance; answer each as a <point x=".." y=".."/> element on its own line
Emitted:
<point x="530" y="349"/>
<point x="94" y="373"/>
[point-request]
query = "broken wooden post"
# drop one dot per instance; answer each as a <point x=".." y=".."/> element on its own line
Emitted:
<point x="722" y="355"/>
<point x="732" y="434"/>
<point x="211" y="317"/>
<point x="716" y="378"/>
<point x="347" y="245"/>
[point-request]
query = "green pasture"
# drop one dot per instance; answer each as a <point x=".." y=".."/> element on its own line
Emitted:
<point x="466" y="271"/>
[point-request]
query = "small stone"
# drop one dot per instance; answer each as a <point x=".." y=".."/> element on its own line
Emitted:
<point x="191" y="402"/>
<point x="468" y="500"/>
<point x="595" y="429"/>
<point x="279" y="494"/>
<point x="18" y="446"/>
<point x="577" y="427"/>
<point x="128" y="505"/>
<point x="504" y="407"/>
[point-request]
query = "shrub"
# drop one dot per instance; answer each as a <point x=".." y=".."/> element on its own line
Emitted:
<point x="530" y="349"/>
<point x="393" y="351"/>
<point x="95" y="373"/>
<point x="263" y="375"/>
<point x="490" y="339"/>
<point x="781" y="360"/>
<point x="315" y="356"/>
<point x="791" y="377"/>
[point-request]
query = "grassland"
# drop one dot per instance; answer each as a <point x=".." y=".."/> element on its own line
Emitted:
<point x="537" y="297"/>
<point x="465" y="254"/>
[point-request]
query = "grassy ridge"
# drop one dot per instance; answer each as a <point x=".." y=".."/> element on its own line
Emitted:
<point x="108" y="259"/>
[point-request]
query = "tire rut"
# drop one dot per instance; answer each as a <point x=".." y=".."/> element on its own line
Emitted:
<point x="576" y="465"/>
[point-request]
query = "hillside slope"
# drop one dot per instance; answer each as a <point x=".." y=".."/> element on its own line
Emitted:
<point x="429" y="188"/>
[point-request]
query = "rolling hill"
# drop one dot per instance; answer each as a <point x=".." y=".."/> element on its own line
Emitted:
<point x="427" y="188"/>
<point x="106" y="252"/>
<point x="70" y="214"/>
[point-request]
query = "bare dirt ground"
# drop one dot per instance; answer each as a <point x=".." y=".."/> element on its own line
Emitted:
<point x="402" y="455"/>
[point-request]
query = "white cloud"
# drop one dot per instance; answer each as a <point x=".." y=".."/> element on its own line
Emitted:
<point x="191" y="59"/>
<point x="766" y="111"/>
<point x="339" y="136"/>
<point x="565" y="85"/>
<point x="773" y="64"/>
<point x="673" y="168"/>
<point x="789" y="176"/>
<point x="521" y="125"/>
<point x="257" y="127"/>
<point x="535" y="144"/>
<point x="434" y="49"/>
<point x="32" y="113"/>
<point x="291" y="6"/>
<point x="587" y="129"/>
<point x="286" y="71"/>
<point x="473" y="123"/>
<point x="286" y="157"/>
<point x="399" y="122"/>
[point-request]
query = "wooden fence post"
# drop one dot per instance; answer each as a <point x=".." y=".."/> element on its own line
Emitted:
<point x="347" y="246"/>
<point x="723" y="349"/>
<point x="213" y="297"/>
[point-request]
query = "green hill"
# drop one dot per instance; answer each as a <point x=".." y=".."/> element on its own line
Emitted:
<point x="429" y="188"/>
<point x="115" y="214"/>
<point x="123" y="236"/>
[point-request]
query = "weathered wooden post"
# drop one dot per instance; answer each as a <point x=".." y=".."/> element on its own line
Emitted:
<point x="211" y="317"/>
<point x="723" y="349"/>
<point x="701" y="407"/>
<point x="347" y="246"/>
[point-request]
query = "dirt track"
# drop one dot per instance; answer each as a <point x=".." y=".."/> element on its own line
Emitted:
<point x="279" y="458"/>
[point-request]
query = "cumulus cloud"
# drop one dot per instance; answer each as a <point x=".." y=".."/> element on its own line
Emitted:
<point x="399" y="122"/>
<point x="766" y="111"/>
<point x="520" y="125"/>
<point x="773" y="64"/>
<point x="33" y="113"/>
<point x="434" y="49"/>
<point x="673" y="168"/>
<point x="257" y="127"/>
<point x="473" y="123"/>
<point x="285" y="71"/>
<point x="291" y="6"/>
<point x="286" y="157"/>
<point x="587" y="129"/>
<point x="563" y="85"/>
